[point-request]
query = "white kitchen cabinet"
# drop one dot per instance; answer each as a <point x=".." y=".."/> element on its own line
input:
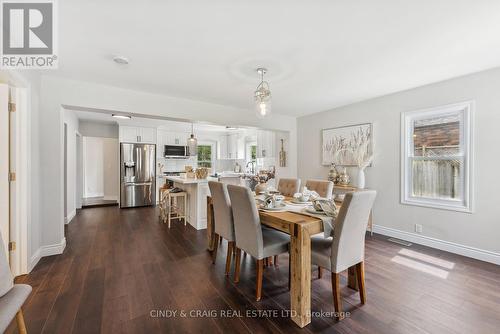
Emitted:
<point x="231" y="146"/>
<point x="137" y="134"/>
<point x="266" y="143"/>
<point x="176" y="138"/>
<point x="148" y="135"/>
<point x="222" y="148"/>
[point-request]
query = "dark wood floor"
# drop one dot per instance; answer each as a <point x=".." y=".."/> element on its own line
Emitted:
<point x="120" y="265"/>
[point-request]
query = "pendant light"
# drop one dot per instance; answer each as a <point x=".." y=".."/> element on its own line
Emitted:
<point x="192" y="143"/>
<point x="262" y="96"/>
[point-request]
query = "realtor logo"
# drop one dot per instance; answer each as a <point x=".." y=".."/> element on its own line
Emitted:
<point x="28" y="34"/>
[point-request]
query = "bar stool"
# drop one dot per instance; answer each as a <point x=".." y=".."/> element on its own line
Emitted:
<point x="169" y="206"/>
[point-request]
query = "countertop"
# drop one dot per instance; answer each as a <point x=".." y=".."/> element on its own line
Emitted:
<point x="184" y="180"/>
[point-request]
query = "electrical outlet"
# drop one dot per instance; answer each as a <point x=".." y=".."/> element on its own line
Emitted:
<point x="418" y="228"/>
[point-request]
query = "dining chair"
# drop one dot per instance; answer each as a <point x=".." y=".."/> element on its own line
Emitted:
<point x="322" y="187"/>
<point x="251" y="237"/>
<point x="347" y="246"/>
<point x="12" y="296"/>
<point x="288" y="187"/>
<point x="224" y="225"/>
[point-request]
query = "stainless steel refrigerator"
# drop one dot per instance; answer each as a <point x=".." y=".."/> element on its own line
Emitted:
<point x="137" y="175"/>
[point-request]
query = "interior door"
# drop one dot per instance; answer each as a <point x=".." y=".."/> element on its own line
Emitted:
<point x="4" y="166"/>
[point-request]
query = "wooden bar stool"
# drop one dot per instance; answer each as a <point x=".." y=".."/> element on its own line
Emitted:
<point x="170" y="206"/>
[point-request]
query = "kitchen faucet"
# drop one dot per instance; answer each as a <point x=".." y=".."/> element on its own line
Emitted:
<point x="253" y="166"/>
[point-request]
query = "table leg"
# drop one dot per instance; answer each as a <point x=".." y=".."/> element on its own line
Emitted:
<point x="210" y="225"/>
<point x="300" y="294"/>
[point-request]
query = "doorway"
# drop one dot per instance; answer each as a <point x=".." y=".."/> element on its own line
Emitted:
<point x="100" y="166"/>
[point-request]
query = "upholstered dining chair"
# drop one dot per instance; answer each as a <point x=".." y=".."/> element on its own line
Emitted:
<point x="12" y="296"/>
<point x="251" y="237"/>
<point x="347" y="246"/>
<point x="322" y="187"/>
<point x="288" y="187"/>
<point x="224" y="226"/>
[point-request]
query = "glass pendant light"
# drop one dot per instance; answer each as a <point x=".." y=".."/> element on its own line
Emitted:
<point x="262" y="96"/>
<point x="192" y="143"/>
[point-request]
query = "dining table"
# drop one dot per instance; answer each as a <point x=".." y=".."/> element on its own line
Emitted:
<point x="300" y="227"/>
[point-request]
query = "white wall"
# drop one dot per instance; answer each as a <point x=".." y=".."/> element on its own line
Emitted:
<point x="98" y="129"/>
<point x="478" y="230"/>
<point x="71" y="121"/>
<point x="93" y="167"/>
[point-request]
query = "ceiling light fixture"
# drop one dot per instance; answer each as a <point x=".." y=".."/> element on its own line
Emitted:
<point x="121" y="116"/>
<point x="120" y="60"/>
<point x="262" y="96"/>
<point x="228" y="127"/>
<point x="192" y="143"/>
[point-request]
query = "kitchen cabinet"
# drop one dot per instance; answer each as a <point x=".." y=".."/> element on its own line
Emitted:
<point x="136" y="134"/>
<point x="266" y="144"/>
<point x="231" y="146"/>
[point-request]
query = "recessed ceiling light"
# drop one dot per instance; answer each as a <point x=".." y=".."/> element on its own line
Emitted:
<point x="228" y="127"/>
<point x="121" y="116"/>
<point x="120" y="60"/>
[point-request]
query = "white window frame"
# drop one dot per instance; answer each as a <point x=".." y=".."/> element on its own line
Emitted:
<point x="465" y="111"/>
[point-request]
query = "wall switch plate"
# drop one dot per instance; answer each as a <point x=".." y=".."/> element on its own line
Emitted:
<point x="418" y="228"/>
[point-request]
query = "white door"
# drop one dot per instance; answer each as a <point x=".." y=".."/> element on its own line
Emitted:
<point x="4" y="166"/>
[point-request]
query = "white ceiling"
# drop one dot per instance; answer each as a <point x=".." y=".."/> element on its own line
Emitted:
<point x="320" y="54"/>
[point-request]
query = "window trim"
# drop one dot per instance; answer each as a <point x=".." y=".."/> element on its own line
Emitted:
<point x="466" y="110"/>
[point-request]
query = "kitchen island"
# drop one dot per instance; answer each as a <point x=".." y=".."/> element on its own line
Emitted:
<point x="197" y="191"/>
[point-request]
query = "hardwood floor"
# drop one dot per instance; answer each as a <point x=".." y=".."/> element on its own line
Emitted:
<point x="122" y="266"/>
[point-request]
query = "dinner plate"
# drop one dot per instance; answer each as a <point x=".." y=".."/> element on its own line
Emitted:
<point x="296" y="201"/>
<point x="312" y="210"/>
<point x="279" y="207"/>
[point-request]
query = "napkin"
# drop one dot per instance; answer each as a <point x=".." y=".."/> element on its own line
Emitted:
<point x="331" y="211"/>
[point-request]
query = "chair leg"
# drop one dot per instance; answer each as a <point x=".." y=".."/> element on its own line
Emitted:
<point x="230" y="246"/>
<point x="20" y="322"/>
<point x="260" y="269"/>
<point x="237" y="265"/>
<point x="216" y="245"/>
<point x="276" y="261"/>
<point x="320" y="272"/>
<point x="360" y="275"/>
<point x="337" y="298"/>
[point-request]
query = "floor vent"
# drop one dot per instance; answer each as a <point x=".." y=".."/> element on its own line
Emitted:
<point x="401" y="242"/>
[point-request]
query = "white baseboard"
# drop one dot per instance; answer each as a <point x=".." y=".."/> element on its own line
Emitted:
<point x="34" y="260"/>
<point x="451" y="247"/>
<point x="48" y="250"/>
<point x="110" y="198"/>
<point x="70" y="217"/>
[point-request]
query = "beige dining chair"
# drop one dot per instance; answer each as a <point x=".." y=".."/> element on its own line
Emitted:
<point x="224" y="225"/>
<point x="347" y="246"/>
<point x="288" y="187"/>
<point x="12" y="296"/>
<point x="322" y="187"/>
<point x="251" y="237"/>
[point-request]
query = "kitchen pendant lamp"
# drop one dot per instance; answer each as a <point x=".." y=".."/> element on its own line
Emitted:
<point x="262" y="96"/>
<point x="192" y="143"/>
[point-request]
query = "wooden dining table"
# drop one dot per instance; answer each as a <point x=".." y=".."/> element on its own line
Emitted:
<point x="300" y="227"/>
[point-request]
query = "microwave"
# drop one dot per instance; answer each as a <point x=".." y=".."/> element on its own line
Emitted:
<point x="176" y="152"/>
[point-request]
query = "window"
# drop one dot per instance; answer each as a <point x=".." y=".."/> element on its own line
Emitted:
<point x="253" y="152"/>
<point x="436" y="157"/>
<point x="205" y="156"/>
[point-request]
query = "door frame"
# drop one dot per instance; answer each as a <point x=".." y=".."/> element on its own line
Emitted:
<point x="21" y="262"/>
